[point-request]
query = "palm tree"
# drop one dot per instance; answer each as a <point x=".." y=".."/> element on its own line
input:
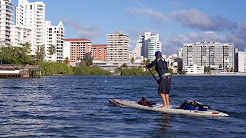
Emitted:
<point x="146" y="62"/>
<point x="66" y="61"/>
<point x="27" y="45"/>
<point x="40" y="54"/>
<point x="132" y="60"/>
<point x="52" y="50"/>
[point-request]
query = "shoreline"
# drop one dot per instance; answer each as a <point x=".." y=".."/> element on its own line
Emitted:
<point x="217" y="74"/>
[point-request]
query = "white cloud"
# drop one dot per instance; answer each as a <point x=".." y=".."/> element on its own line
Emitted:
<point x="157" y="16"/>
<point x="81" y="29"/>
<point x="200" y="20"/>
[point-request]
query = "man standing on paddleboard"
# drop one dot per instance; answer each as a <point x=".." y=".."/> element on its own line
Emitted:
<point x="165" y="78"/>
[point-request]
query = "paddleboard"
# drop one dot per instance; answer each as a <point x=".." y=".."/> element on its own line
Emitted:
<point x="171" y="110"/>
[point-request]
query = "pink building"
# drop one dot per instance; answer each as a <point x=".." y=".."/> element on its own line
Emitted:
<point x="99" y="52"/>
<point x="79" y="48"/>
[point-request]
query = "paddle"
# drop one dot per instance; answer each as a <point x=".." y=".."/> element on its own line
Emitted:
<point x="152" y="75"/>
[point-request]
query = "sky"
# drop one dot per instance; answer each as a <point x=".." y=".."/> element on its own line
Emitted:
<point x="177" y="21"/>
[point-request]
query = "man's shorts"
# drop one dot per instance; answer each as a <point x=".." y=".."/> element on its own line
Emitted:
<point x="165" y="84"/>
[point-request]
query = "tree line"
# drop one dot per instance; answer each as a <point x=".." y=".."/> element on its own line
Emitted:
<point x="21" y="55"/>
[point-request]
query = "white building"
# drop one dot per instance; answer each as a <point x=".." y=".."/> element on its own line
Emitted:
<point x="118" y="47"/>
<point x="66" y="50"/>
<point x="32" y="15"/>
<point x="137" y="50"/>
<point x="242" y="62"/>
<point x="214" y="54"/>
<point x="180" y="53"/>
<point x="194" y="69"/>
<point x="5" y="21"/>
<point x="54" y="36"/>
<point x="20" y="35"/>
<point x="149" y="44"/>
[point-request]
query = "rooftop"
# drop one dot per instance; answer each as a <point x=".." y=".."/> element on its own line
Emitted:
<point x="76" y="39"/>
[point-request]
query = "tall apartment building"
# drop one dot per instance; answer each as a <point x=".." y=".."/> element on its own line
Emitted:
<point x="20" y="35"/>
<point x="80" y="48"/>
<point x="149" y="45"/>
<point x="118" y="47"/>
<point x="214" y="54"/>
<point x="54" y="36"/>
<point x="6" y="13"/>
<point x="99" y="52"/>
<point x="32" y="15"/>
<point x="242" y="62"/>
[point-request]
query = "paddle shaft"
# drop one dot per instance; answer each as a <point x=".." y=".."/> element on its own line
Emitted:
<point x="152" y="74"/>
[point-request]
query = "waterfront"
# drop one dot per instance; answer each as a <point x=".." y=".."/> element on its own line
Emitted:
<point x="77" y="106"/>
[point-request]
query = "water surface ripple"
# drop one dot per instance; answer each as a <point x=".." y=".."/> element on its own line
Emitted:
<point x="77" y="106"/>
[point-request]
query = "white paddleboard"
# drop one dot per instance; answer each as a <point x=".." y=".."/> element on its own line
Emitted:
<point x="171" y="110"/>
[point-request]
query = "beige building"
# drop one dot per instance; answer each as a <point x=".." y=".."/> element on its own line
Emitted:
<point x="118" y="47"/>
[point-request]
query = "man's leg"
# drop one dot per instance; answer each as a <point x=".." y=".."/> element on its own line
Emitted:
<point x="167" y="100"/>
<point x="163" y="97"/>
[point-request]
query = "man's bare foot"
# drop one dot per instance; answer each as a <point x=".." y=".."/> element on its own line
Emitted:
<point x="163" y="106"/>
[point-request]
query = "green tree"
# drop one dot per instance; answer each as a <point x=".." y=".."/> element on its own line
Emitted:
<point x="207" y="69"/>
<point x="27" y="46"/>
<point x="13" y="55"/>
<point x="52" y="50"/>
<point x="124" y="66"/>
<point x="40" y="54"/>
<point x="87" y="61"/>
<point x="132" y="60"/>
<point x="55" y="68"/>
<point x="66" y="61"/>
<point x="146" y="62"/>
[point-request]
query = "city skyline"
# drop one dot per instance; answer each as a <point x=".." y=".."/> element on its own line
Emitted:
<point x="176" y="22"/>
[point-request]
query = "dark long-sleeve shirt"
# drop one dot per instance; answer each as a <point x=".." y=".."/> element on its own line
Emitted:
<point x="158" y="63"/>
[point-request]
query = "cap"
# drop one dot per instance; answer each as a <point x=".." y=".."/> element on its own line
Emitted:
<point x="157" y="53"/>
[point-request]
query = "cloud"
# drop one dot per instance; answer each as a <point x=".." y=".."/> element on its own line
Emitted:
<point x="176" y="5"/>
<point x="174" y="42"/>
<point x="191" y="18"/>
<point x="81" y="29"/>
<point x="157" y="16"/>
<point x="238" y="37"/>
<point x="197" y="19"/>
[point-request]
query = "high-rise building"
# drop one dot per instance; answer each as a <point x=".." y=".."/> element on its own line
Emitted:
<point x="118" y="47"/>
<point x="32" y="15"/>
<point x="54" y="36"/>
<point x="149" y="44"/>
<point x="210" y="54"/>
<point x="180" y="53"/>
<point x="242" y="62"/>
<point x="138" y="50"/>
<point x="99" y="52"/>
<point x="20" y="35"/>
<point x="6" y="13"/>
<point x="80" y="48"/>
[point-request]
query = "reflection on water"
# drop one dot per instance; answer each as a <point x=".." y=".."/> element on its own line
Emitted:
<point x="164" y="123"/>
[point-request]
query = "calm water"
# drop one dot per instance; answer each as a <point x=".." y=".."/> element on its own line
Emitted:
<point x="77" y="106"/>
